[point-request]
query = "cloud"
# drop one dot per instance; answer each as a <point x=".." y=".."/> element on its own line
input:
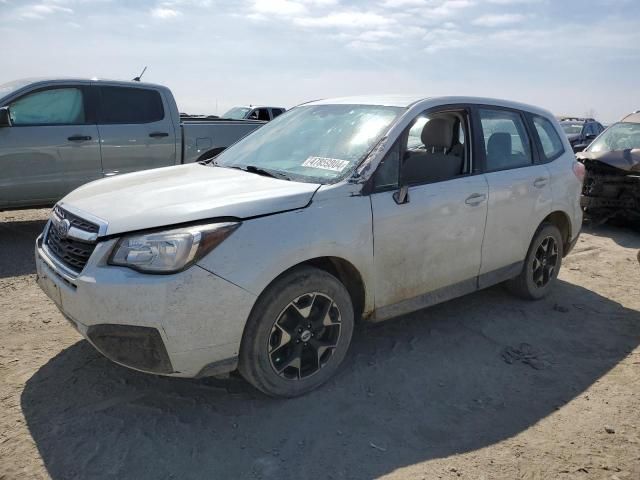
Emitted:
<point x="347" y="19"/>
<point x="41" y="10"/>
<point x="165" y="13"/>
<point x="498" y="20"/>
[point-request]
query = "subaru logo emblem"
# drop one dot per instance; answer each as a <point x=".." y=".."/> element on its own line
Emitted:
<point x="63" y="228"/>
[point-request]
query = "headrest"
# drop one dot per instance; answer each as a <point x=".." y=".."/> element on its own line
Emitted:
<point x="437" y="132"/>
<point x="499" y="144"/>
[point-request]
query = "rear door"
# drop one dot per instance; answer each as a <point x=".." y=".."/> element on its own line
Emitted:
<point x="136" y="129"/>
<point x="519" y="191"/>
<point x="50" y="149"/>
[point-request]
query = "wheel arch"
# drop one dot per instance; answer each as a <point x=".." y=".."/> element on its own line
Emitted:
<point x="344" y="271"/>
<point x="562" y="221"/>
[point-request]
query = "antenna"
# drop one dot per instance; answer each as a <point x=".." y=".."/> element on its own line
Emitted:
<point x="137" y="79"/>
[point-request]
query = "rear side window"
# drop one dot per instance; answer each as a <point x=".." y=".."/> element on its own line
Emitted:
<point x="506" y="140"/>
<point x="549" y="139"/>
<point x="129" y="105"/>
<point x="57" y="106"/>
<point x="276" y="111"/>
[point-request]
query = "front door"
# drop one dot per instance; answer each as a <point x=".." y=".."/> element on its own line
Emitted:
<point x="50" y="149"/>
<point x="427" y="246"/>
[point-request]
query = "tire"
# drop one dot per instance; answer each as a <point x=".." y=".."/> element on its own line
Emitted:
<point x="278" y="330"/>
<point x="539" y="274"/>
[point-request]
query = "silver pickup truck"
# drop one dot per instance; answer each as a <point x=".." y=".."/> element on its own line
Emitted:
<point x="57" y="134"/>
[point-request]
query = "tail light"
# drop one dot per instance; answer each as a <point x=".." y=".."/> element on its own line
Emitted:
<point x="579" y="171"/>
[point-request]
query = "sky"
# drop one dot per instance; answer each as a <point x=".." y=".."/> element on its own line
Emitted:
<point x="573" y="57"/>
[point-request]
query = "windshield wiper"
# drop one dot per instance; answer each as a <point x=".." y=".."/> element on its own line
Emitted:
<point x="263" y="171"/>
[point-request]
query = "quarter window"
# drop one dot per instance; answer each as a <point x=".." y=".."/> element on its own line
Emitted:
<point x="129" y="105"/>
<point x="58" y="106"/>
<point x="505" y="139"/>
<point x="549" y="138"/>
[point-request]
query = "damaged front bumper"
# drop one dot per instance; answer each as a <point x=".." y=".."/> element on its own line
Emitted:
<point x="609" y="191"/>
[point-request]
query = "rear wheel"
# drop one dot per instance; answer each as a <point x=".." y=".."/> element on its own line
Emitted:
<point x="542" y="264"/>
<point x="297" y="334"/>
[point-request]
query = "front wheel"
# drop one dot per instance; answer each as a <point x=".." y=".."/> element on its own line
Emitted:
<point x="541" y="266"/>
<point x="297" y="334"/>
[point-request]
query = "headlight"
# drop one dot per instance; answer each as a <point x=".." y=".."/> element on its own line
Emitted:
<point x="169" y="251"/>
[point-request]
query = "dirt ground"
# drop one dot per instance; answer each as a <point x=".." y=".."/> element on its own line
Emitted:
<point x="483" y="387"/>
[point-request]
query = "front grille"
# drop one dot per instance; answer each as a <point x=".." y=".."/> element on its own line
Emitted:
<point x="75" y="220"/>
<point x="73" y="253"/>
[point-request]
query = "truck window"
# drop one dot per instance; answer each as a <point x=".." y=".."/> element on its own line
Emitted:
<point x="263" y="114"/>
<point x="56" y="106"/>
<point x="276" y="111"/>
<point x="129" y="105"/>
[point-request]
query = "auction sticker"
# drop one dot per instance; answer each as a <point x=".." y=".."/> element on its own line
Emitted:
<point x="333" y="164"/>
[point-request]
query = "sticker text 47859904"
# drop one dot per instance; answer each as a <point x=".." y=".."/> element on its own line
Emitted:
<point x="333" y="164"/>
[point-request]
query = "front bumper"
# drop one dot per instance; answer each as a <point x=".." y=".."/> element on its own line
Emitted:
<point x="186" y="324"/>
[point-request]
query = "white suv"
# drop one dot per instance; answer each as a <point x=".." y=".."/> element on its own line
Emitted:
<point x="342" y="209"/>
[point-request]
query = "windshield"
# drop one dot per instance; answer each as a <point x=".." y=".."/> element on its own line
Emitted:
<point x="8" y="88"/>
<point x="621" y="136"/>
<point x="314" y="143"/>
<point x="237" y="113"/>
<point x="571" y="128"/>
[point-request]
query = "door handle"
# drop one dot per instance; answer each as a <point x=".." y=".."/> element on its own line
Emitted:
<point x="79" y="138"/>
<point x="158" y="134"/>
<point x="475" y="199"/>
<point x="540" y="182"/>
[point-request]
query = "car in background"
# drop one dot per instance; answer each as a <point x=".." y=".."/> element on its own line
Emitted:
<point x="611" y="187"/>
<point x="360" y="207"/>
<point x="252" y="112"/>
<point x="580" y="131"/>
<point x="58" y="134"/>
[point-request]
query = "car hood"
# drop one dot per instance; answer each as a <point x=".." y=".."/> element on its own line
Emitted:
<point x="185" y="193"/>
<point x="628" y="160"/>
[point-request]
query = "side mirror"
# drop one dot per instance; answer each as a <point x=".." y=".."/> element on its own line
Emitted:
<point x="5" y="117"/>
<point x="401" y="196"/>
<point x="590" y="136"/>
<point x="579" y="148"/>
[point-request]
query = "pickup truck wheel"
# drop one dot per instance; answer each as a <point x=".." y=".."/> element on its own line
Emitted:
<point x="542" y="264"/>
<point x="298" y="333"/>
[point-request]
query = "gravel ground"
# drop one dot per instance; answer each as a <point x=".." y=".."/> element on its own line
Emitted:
<point x="486" y="386"/>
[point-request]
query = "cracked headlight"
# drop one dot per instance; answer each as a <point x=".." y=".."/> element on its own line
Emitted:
<point x="169" y="251"/>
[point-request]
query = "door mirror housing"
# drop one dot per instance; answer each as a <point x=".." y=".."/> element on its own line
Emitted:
<point x="401" y="195"/>
<point x="5" y="117"/>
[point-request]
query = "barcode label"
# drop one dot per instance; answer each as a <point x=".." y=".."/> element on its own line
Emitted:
<point x="323" y="163"/>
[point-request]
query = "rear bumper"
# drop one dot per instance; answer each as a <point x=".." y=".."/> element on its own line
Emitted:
<point x="187" y="324"/>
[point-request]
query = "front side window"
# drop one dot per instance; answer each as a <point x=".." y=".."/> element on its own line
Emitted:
<point x="435" y="149"/>
<point x="121" y="105"/>
<point x="58" y="106"/>
<point x="549" y="138"/>
<point x="313" y="143"/>
<point x="505" y="139"/>
<point x="621" y="136"/>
